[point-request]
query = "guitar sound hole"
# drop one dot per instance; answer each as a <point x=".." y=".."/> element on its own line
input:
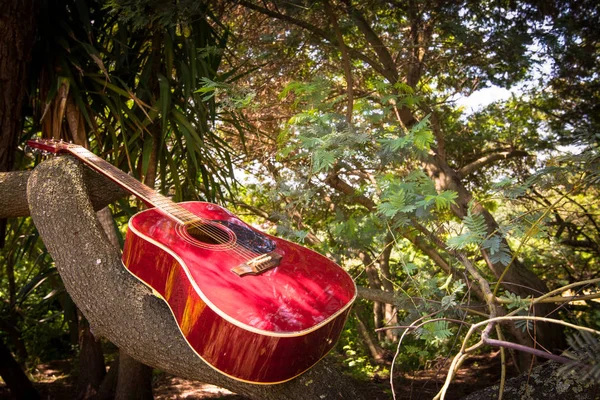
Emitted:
<point x="208" y="233"/>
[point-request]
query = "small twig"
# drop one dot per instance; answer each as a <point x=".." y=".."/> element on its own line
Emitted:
<point x="502" y="364"/>
<point x="526" y="349"/>
<point x="555" y="299"/>
<point x="528" y="235"/>
<point x="413" y="327"/>
<point x="564" y="288"/>
<point x="464" y="352"/>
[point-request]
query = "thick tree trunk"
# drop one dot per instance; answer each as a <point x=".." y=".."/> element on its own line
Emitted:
<point x="519" y="279"/>
<point x="17" y="36"/>
<point x="122" y="309"/>
<point x="108" y="387"/>
<point x="135" y="379"/>
<point x="91" y="362"/>
<point x="16" y="380"/>
<point x="13" y="196"/>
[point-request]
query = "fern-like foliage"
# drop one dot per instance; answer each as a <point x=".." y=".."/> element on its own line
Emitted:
<point x="413" y="194"/>
<point x="435" y="332"/>
<point x="497" y="249"/>
<point x="475" y="234"/>
<point x="514" y="301"/>
<point x="584" y="352"/>
<point x="419" y="139"/>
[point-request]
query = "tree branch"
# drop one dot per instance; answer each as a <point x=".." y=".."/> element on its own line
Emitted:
<point x="124" y="310"/>
<point x="489" y="159"/>
<point x="342" y="186"/>
<point x="13" y="196"/>
<point x="345" y="61"/>
<point x="317" y="31"/>
<point x="389" y="66"/>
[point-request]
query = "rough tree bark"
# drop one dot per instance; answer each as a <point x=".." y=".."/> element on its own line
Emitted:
<point x="17" y="36"/>
<point x="91" y="362"/>
<point x="544" y="382"/>
<point x="134" y="381"/>
<point x="122" y="309"/>
<point x="13" y="196"/>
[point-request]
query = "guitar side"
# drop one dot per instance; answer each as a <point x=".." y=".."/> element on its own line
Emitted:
<point x="267" y="328"/>
<point x="254" y="307"/>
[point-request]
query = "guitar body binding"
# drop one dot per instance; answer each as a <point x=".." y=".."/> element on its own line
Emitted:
<point x="255" y="307"/>
<point x="265" y="327"/>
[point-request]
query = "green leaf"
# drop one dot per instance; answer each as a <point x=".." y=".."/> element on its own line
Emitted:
<point x="503" y="255"/>
<point x="301" y="235"/>
<point x="462" y="241"/>
<point x="445" y="199"/>
<point x="524" y="325"/>
<point x="164" y="101"/>
<point x="448" y="301"/>
<point x="514" y="301"/>
<point x="409" y="268"/>
<point x="476" y="224"/>
<point x="423" y="139"/>
<point x="395" y="144"/>
<point x="399" y="201"/>
<point x="146" y="155"/>
<point x="492" y="244"/>
<point x="323" y="160"/>
<point x="446" y="283"/>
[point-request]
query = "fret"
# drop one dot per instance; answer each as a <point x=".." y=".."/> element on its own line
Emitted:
<point x="135" y="187"/>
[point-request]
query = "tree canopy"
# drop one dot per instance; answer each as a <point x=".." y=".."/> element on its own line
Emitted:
<point x="336" y="124"/>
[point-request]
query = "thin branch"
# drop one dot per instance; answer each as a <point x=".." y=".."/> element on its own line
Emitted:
<point x="526" y="349"/>
<point x="562" y="289"/>
<point x="557" y="299"/>
<point x="345" y="61"/>
<point x="390" y="71"/>
<point x="464" y="351"/>
<point x="502" y="364"/>
<point x="316" y="30"/>
<point x="489" y="159"/>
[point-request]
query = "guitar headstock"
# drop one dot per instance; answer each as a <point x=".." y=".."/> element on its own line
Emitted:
<point x="50" y="146"/>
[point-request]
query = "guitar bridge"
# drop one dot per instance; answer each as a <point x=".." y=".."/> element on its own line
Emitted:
<point x="258" y="264"/>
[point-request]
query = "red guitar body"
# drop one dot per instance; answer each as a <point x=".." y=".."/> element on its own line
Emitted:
<point x="254" y="307"/>
<point x="266" y="327"/>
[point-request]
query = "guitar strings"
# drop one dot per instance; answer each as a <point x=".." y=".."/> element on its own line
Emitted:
<point x="169" y="207"/>
<point x="190" y="219"/>
<point x="156" y="199"/>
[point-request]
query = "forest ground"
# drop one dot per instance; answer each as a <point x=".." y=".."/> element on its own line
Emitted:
<point x="55" y="381"/>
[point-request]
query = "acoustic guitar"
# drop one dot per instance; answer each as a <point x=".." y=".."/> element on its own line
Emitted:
<point x="255" y="307"/>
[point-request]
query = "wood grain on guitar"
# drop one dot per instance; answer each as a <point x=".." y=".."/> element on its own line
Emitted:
<point x="255" y="307"/>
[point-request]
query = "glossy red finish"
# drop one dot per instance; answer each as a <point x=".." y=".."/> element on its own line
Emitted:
<point x="266" y="328"/>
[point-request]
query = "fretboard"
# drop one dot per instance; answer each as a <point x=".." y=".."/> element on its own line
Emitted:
<point x="133" y="186"/>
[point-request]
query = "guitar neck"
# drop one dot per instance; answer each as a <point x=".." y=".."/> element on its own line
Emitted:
<point x="149" y="196"/>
